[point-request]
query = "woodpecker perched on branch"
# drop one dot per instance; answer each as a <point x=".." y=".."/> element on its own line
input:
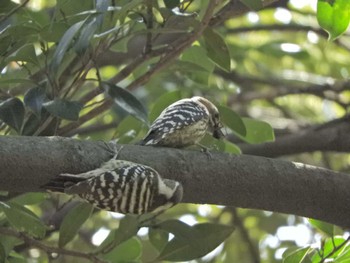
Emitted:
<point x="184" y="123"/>
<point x="121" y="186"/>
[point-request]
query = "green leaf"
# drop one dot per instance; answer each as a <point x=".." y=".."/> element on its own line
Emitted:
<point x="53" y="32"/>
<point x="128" y="227"/>
<point x="29" y="198"/>
<point x="73" y="221"/>
<point x="333" y="16"/>
<point x="253" y="4"/>
<point x="229" y="147"/>
<point x="23" y="219"/>
<point x="232" y="120"/>
<point x="64" y="109"/>
<point x="93" y="22"/>
<point x="296" y="256"/>
<point x="25" y="53"/>
<point x="257" y="131"/>
<point x="158" y="238"/>
<point x="328" y="249"/>
<point x="128" y="251"/>
<point x="126" y="101"/>
<point x="344" y="255"/>
<point x="68" y="7"/>
<point x="217" y="49"/>
<point x="129" y="126"/>
<point x="170" y="4"/>
<point x="197" y="55"/>
<point x="162" y="102"/>
<point x="197" y="67"/>
<point x="324" y="227"/>
<point x="220" y="145"/>
<point x="192" y="242"/>
<point x="63" y="46"/>
<point x="12" y="113"/>
<point x="34" y="99"/>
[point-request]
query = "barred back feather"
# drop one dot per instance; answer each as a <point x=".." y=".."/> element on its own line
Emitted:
<point x="184" y="123"/>
<point x="122" y="186"/>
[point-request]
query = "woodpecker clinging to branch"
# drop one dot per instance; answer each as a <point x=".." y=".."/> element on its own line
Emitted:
<point x="184" y="123"/>
<point x="121" y="186"/>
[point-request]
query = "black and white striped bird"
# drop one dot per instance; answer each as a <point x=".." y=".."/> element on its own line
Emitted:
<point x="121" y="186"/>
<point x="184" y="123"/>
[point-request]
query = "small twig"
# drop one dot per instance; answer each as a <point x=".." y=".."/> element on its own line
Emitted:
<point x="49" y="249"/>
<point x="149" y="24"/>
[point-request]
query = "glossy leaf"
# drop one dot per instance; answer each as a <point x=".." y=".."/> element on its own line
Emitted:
<point x="25" y="53"/>
<point x="126" y="101"/>
<point x="198" y="55"/>
<point x="162" y="102"/>
<point x="253" y="4"/>
<point x="128" y="227"/>
<point x="296" y="256"/>
<point x="64" y="109"/>
<point x="34" y="99"/>
<point x="73" y="221"/>
<point x="328" y="249"/>
<point x="158" y="238"/>
<point x="128" y="251"/>
<point x="257" y="131"/>
<point x="63" y="46"/>
<point x="12" y="113"/>
<point x="127" y="130"/>
<point x="344" y="255"/>
<point x="92" y="23"/>
<point x="232" y="120"/>
<point x="333" y="16"/>
<point x="53" y="32"/>
<point x="68" y="7"/>
<point x="23" y="219"/>
<point x="85" y="36"/>
<point x="29" y="198"/>
<point x="324" y="227"/>
<point x="230" y="147"/>
<point x="193" y="242"/>
<point x="217" y="49"/>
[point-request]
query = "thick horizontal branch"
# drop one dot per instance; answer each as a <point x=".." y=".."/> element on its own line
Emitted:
<point x="331" y="136"/>
<point x="245" y="181"/>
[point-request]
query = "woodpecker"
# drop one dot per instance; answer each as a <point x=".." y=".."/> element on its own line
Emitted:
<point x="184" y="123"/>
<point x="121" y="186"/>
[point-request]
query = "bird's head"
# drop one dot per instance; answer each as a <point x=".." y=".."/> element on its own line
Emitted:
<point x="214" y="116"/>
<point x="169" y="194"/>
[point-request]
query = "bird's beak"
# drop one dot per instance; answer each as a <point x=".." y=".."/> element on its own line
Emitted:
<point x="217" y="133"/>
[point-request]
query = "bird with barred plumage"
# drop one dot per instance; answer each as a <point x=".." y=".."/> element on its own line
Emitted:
<point x="121" y="186"/>
<point x="184" y="123"/>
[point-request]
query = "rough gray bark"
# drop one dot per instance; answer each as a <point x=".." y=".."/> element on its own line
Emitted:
<point x="245" y="181"/>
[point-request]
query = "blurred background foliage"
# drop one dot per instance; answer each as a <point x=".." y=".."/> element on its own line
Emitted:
<point x="104" y="70"/>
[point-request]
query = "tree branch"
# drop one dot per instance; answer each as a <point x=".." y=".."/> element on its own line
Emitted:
<point x="49" y="249"/>
<point x="245" y="181"/>
<point x="331" y="136"/>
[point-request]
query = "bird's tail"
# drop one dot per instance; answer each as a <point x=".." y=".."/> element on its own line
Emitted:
<point x="62" y="182"/>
